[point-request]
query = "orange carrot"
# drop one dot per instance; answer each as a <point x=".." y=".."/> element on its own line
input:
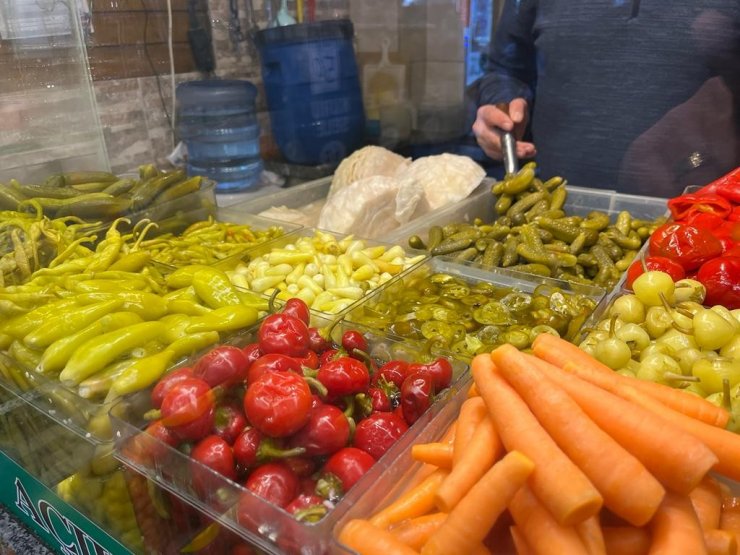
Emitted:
<point x="720" y="542"/>
<point x="626" y="540"/>
<point x="557" y="481"/>
<point x="415" y="502"/>
<point x="677" y="399"/>
<point x="472" y="412"/>
<point x="706" y="499"/>
<point x="520" y="544"/>
<point x="629" y="490"/>
<point x="473" y="391"/>
<point x="415" y="532"/>
<point x="449" y="436"/>
<point x="676" y="529"/>
<point x="479" y="455"/>
<point x="591" y="535"/>
<point x="367" y="539"/>
<point x="558" y="351"/>
<point x="438" y="454"/>
<point x="723" y="443"/>
<point x="541" y="531"/>
<point x="678" y="459"/>
<point x="469" y="522"/>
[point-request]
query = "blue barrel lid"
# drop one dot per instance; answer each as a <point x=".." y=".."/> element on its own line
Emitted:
<point x="305" y="32"/>
<point x="218" y="91"/>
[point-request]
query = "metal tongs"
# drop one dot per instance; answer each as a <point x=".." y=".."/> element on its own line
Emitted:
<point x="508" y="146"/>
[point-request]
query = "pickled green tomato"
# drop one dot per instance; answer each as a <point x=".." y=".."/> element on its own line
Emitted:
<point x="649" y="287"/>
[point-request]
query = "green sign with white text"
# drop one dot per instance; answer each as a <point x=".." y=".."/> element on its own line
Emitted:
<point x="61" y="526"/>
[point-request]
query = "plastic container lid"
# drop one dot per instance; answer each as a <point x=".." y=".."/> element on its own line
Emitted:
<point x="303" y="32"/>
<point x="194" y="94"/>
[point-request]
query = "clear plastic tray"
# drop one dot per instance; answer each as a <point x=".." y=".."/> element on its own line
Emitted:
<point x="288" y="239"/>
<point x="316" y="192"/>
<point x="580" y="202"/>
<point x="400" y="475"/>
<point x="470" y="273"/>
<point x="274" y="530"/>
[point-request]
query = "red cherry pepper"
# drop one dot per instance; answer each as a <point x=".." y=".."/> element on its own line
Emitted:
<point x="660" y="263"/>
<point x="342" y="471"/>
<point x="311" y="360"/>
<point x="727" y="186"/>
<point x="329" y="355"/>
<point x="303" y="468"/>
<point x="272" y="363"/>
<point x="379" y="399"/>
<point x="417" y="393"/>
<point x="686" y="206"/>
<point x="379" y="432"/>
<point x="229" y="421"/>
<point x="440" y="371"/>
<point x="317" y="342"/>
<point x="298" y="309"/>
<point x="252" y="351"/>
<point x="150" y="446"/>
<point x="274" y="482"/>
<point x="214" y="453"/>
<point x="188" y="409"/>
<point x="166" y="382"/>
<point x="394" y="371"/>
<point x="685" y="244"/>
<point x="278" y="403"/>
<point x="327" y="431"/>
<point x="283" y="334"/>
<point x="352" y="340"/>
<point x="721" y="278"/>
<point x="344" y="376"/>
<point x="252" y="447"/>
<point x="223" y="365"/>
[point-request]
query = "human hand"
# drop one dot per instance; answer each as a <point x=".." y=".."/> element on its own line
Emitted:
<point x="490" y="121"/>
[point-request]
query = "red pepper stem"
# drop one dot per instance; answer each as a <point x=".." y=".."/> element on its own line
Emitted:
<point x="271" y="303"/>
<point x="311" y="514"/>
<point x="154" y="414"/>
<point x="671" y="376"/>
<point x="316" y="385"/>
<point x="349" y="410"/>
<point x="268" y="450"/>
<point x="329" y="487"/>
<point x="365" y="404"/>
<point x="359" y="353"/>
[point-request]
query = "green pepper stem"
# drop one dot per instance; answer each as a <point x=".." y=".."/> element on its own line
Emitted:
<point x="271" y="302"/>
<point x="153" y="414"/>
<point x="311" y="514"/>
<point x="269" y="450"/>
<point x="349" y="410"/>
<point x="671" y="376"/>
<point x="316" y="385"/>
<point x="366" y="359"/>
<point x="329" y="487"/>
<point x="726" y="395"/>
<point x="365" y="404"/>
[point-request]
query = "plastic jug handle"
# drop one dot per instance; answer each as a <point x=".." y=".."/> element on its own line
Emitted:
<point x="385" y="47"/>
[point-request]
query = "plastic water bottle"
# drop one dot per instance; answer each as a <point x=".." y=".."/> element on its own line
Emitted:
<point x="217" y="121"/>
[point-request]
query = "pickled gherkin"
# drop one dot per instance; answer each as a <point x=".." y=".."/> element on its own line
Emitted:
<point x="464" y="317"/>
<point x="532" y="232"/>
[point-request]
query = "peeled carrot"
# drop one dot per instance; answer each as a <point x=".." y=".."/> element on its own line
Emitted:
<point x="415" y="532"/>
<point x="473" y="391"/>
<point x="706" y="498"/>
<point x="558" y="482"/>
<point x="558" y="351"/>
<point x="438" y="454"/>
<point x="469" y="522"/>
<point x="471" y="413"/>
<point x="720" y="542"/>
<point x="626" y="540"/>
<point x="520" y="544"/>
<point x="591" y="535"/>
<point x="629" y="490"/>
<point x="676" y="529"/>
<point x="479" y="455"/>
<point x="678" y="459"/>
<point x="723" y="443"/>
<point x="417" y="501"/>
<point x="449" y="436"/>
<point x="541" y="531"/>
<point x="367" y="539"/>
<point x="677" y="399"/>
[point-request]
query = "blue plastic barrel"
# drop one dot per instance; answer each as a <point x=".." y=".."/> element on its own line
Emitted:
<point x="313" y="90"/>
<point x="217" y="121"/>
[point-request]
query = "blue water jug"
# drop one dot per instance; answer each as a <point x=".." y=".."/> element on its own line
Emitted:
<point x="313" y="90"/>
<point x="217" y="121"/>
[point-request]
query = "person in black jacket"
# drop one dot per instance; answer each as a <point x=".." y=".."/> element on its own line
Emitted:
<point x="638" y="95"/>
